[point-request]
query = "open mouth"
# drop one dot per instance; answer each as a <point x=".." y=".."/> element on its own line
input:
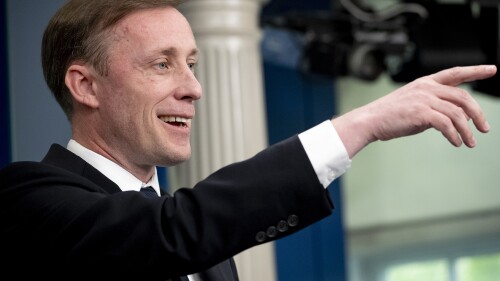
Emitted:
<point x="176" y="121"/>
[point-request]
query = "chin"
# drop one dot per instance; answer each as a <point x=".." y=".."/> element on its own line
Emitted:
<point x="178" y="158"/>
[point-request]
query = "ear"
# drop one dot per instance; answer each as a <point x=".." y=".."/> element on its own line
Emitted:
<point x="79" y="79"/>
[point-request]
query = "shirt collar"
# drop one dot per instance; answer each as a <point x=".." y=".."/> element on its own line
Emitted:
<point x="123" y="178"/>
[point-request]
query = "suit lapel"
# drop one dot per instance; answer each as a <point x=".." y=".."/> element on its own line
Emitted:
<point x="61" y="157"/>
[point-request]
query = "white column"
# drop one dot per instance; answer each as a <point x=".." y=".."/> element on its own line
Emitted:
<point x="230" y="118"/>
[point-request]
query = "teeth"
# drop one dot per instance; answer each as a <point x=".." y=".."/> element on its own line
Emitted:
<point x="175" y="119"/>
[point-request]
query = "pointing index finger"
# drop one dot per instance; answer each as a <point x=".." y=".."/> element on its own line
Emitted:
<point x="462" y="74"/>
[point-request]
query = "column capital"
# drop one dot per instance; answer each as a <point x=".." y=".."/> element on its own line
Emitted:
<point x="223" y="16"/>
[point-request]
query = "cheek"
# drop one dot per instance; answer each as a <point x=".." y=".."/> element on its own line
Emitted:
<point x="116" y="108"/>
<point x="119" y="92"/>
<point x="131" y="98"/>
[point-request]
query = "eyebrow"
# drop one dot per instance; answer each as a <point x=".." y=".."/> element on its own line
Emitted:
<point x="174" y="51"/>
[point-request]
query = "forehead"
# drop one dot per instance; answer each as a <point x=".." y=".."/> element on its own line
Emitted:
<point x="155" y="29"/>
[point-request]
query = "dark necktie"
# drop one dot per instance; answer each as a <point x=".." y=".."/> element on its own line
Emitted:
<point x="149" y="192"/>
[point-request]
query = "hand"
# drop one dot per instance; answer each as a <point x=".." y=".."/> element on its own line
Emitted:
<point x="432" y="101"/>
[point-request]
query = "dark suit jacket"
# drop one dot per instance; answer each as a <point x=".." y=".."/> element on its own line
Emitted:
<point x="62" y="219"/>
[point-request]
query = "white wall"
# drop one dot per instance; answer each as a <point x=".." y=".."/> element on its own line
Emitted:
<point x="418" y="196"/>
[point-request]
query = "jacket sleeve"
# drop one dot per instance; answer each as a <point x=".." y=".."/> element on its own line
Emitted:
<point x="63" y="218"/>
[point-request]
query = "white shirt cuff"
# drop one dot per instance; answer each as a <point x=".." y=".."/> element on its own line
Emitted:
<point x="326" y="152"/>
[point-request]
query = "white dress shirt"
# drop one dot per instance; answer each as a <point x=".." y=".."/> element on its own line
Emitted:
<point x="116" y="173"/>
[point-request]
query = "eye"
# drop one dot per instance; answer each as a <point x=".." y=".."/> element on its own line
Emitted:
<point x="162" y="65"/>
<point x="192" y="66"/>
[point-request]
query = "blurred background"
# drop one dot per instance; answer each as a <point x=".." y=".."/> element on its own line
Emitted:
<point x="410" y="209"/>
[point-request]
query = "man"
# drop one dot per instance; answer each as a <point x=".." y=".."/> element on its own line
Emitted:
<point x="122" y="70"/>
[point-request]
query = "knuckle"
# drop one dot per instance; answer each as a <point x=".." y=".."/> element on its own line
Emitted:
<point x="457" y="113"/>
<point x="463" y="94"/>
<point x="455" y="71"/>
<point x="416" y="111"/>
<point x="447" y="127"/>
<point x="424" y="87"/>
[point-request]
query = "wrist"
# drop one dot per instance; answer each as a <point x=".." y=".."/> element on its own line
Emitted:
<point x="355" y="130"/>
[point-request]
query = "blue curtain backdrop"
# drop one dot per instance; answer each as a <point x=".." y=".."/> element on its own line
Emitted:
<point x="295" y="102"/>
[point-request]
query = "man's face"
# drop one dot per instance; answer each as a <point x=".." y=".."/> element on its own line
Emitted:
<point x="146" y="100"/>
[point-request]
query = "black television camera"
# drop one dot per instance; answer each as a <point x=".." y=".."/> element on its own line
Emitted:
<point x="406" y="40"/>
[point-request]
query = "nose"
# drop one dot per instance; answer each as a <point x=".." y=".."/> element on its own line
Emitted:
<point x="189" y="87"/>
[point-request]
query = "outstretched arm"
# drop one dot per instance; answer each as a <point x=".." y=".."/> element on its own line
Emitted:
<point x="432" y="101"/>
